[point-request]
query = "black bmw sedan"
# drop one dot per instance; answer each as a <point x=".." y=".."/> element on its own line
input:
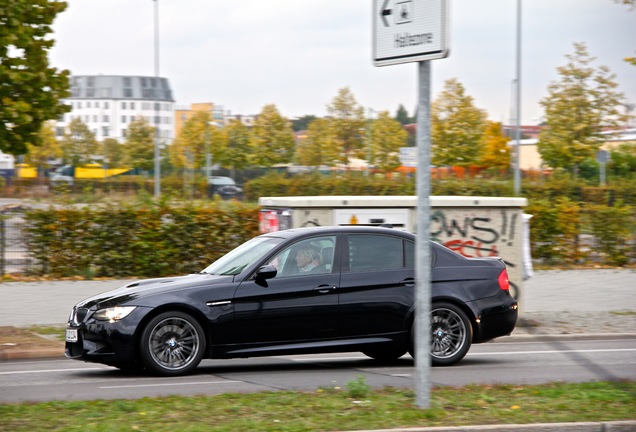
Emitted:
<point x="307" y="290"/>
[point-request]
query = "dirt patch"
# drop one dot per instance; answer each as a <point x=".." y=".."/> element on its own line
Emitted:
<point x="20" y="339"/>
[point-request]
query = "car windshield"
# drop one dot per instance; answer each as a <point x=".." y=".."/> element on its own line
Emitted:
<point x="243" y="256"/>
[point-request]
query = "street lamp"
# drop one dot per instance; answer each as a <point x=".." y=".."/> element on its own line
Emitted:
<point x="157" y="105"/>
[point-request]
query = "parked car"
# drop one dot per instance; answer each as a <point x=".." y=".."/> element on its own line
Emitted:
<point x="225" y="187"/>
<point x="256" y="301"/>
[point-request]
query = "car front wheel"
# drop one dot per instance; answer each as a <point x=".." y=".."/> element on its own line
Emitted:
<point x="172" y="343"/>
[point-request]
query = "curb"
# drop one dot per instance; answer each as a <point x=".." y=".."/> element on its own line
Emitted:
<point x="610" y="426"/>
<point x="26" y="354"/>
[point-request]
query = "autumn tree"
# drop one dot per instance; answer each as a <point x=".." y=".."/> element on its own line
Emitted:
<point x="140" y="145"/>
<point x="195" y="140"/>
<point x="321" y="146"/>
<point x="457" y="127"/>
<point x="79" y="145"/>
<point x="30" y="90"/>
<point x="272" y="139"/>
<point x="578" y="107"/>
<point x="48" y="150"/>
<point x="387" y="136"/>
<point x="496" y="151"/>
<point x="347" y="120"/>
<point x="114" y="154"/>
<point x="236" y="150"/>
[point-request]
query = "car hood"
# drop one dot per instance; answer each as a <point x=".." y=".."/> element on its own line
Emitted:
<point x="138" y="290"/>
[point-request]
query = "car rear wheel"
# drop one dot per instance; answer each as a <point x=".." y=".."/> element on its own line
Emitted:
<point x="451" y="334"/>
<point x="173" y="343"/>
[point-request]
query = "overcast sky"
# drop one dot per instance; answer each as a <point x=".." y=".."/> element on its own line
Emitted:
<point x="297" y="54"/>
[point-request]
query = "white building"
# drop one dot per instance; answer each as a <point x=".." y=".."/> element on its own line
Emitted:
<point x="107" y="104"/>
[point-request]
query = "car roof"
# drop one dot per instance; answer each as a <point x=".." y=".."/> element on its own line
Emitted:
<point x="326" y="230"/>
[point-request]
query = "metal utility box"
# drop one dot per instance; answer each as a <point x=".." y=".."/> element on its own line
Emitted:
<point x="472" y="226"/>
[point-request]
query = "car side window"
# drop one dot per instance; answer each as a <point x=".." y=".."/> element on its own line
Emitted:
<point x="306" y="257"/>
<point x="374" y="252"/>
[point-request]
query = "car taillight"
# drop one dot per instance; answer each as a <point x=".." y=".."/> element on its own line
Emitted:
<point x="504" y="283"/>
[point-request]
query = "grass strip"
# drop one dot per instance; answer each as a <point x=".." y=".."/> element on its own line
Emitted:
<point x="329" y="409"/>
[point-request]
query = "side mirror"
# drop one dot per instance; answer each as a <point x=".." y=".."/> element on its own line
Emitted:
<point x="266" y="272"/>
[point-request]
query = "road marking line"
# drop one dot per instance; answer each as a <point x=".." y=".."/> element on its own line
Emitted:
<point x="552" y="352"/>
<point x="169" y="384"/>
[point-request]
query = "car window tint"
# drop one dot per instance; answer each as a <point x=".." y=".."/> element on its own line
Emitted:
<point x="409" y="255"/>
<point x="286" y="261"/>
<point x="374" y="252"/>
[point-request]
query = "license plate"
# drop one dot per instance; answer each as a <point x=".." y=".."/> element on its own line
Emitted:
<point x="71" y="335"/>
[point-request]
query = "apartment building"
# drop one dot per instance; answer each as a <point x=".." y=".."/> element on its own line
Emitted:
<point x="107" y="104"/>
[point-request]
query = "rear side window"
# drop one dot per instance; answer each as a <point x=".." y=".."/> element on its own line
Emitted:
<point x="369" y="252"/>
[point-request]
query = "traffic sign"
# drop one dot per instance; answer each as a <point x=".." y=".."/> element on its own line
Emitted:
<point x="409" y="30"/>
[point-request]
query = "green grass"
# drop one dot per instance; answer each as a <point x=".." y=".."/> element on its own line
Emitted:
<point x="332" y="409"/>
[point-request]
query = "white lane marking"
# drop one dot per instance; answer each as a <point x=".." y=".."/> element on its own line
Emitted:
<point x="169" y="384"/>
<point x="51" y="370"/>
<point x="551" y="352"/>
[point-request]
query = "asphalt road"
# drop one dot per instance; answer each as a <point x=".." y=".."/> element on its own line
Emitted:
<point x="518" y="362"/>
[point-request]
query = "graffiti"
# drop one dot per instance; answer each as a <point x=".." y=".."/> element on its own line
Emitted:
<point x="474" y="236"/>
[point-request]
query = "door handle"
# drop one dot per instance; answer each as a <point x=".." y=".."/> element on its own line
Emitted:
<point x="408" y="282"/>
<point x="324" y="289"/>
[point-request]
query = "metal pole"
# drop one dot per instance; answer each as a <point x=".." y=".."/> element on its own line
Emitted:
<point x="157" y="111"/>
<point x="518" y="104"/>
<point x="369" y="141"/>
<point x="422" y="251"/>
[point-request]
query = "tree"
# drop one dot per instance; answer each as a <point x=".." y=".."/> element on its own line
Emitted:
<point x="237" y="146"/>
<point x="195" y="139"/>
<point x="49" y="149"/>
<point x="79" y="145"/>
<point x="496" y="149"/>
<point x="140" y="145"/>
<point x="347" y="118"/>
<point x="114" y="154"/>
<point x="302" y="123"/>
<point x="457" y="127"/>
<point x="577" y="109"/>
<point x="402" y="116"/>
<point x="30" y="90"/>
<point x="321" y="147"/>
<point x="272" y="140"/>
<point x="387" y="136"/>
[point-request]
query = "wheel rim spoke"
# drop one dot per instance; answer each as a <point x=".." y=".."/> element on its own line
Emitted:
<point x="174" y="343"/>
<point x="448" y="333"/>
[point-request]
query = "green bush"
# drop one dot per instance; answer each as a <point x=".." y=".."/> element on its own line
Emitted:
<point x="613" y="230"/>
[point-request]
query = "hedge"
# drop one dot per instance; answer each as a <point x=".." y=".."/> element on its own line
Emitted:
<point x="131" y="241"/>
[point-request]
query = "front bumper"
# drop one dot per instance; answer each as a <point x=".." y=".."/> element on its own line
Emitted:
<point x="111" y="343"/>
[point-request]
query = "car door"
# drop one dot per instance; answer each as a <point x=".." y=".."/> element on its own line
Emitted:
<point x="293" y="306"/>
<point x="377" y="285"/>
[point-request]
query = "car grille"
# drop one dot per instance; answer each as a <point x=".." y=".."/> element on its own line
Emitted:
<point x="78" y="315"/>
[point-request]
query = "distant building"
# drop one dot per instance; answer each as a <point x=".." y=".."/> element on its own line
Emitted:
<point x="182" y="115"/>
<point x="107" y="104"/>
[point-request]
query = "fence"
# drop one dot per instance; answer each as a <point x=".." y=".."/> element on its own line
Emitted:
<point x="15" y="256"/>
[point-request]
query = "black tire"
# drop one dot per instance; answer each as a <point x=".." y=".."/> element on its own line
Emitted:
<point x="385" y="353"/>
<point x="172" y="343"/>
<point x="451" y="334"/>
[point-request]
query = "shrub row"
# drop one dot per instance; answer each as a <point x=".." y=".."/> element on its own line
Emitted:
<point x="133" y="241"/>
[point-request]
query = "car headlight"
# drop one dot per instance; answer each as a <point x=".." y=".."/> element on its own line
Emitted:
<point x="113" y="314"/>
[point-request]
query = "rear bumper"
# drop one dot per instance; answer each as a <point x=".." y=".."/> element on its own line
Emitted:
<point x="495" y="317"/>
